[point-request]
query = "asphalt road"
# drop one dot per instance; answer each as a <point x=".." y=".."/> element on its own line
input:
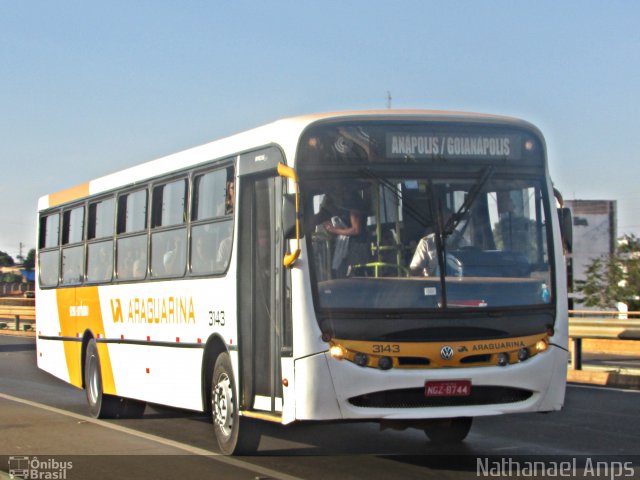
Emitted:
<point x="44" y="418"/>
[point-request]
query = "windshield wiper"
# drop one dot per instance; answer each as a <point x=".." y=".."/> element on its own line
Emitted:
<point x="407" y="206"/>
<point x="443" y="231"/>
<point x="457" y="217"/>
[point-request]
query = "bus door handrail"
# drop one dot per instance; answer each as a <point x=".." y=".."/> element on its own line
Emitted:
<point x="288" y="172"/>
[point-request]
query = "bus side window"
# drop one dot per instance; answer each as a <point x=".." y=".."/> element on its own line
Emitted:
<point x="49" y="256"/>
<point x="100" y="237"/>
<point x="169" y="232"/>
<point x="168" y="253"/>
<point x="72" y="247"/>
<point x="212" y="227"/>
<point x="131" y="246"/>
<point x="203" y="240"/>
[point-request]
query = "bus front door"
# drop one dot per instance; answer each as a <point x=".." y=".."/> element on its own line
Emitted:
<point x="260" y="290"/>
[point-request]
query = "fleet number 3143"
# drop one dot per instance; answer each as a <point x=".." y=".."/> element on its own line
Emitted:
<point x="216" y="318"/>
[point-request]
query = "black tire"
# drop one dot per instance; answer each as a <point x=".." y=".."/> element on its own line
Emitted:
<point x="448" y="430"/>
<point x="100" y="404"/>
<point x="235" y="434"/>
<point x="130" y="408"/>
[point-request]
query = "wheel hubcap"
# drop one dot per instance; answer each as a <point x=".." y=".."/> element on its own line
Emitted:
<point x="92" y="388"/>
<point x="222" y="404"/>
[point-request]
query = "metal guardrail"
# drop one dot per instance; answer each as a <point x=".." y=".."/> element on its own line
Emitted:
<point x="603" y="314"/>
<point x="587" y="324"/>
<point x="21" y="315"/>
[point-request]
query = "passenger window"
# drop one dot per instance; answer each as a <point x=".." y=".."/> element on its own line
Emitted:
<point x="49" y="261"/>
<point x="213" y="203"/>
<point x="49" y="265"/>
<point x="211" y="247"/>
<point x="169" y="237"/>
<point x="100" y="254"/>
<point x="210" y="193"/>
<point x="169" y="204"/>
<point x="131" y="250"/>
<point x="168" y="253"/>
<point x="101" y="219"/>
<point x="72" y="265"/>
<point x="73" y="256"/>
<point x="73" y="226"/>
<point x="100" y="261"/>
<point x="132" y="258"/>
<point x="49" y="231"/>
<point x="132" y="212"/>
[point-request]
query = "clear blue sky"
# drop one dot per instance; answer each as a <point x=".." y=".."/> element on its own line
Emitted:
<point x="87" y="88"/>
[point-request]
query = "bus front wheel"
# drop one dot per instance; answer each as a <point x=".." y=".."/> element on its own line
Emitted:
<point x="235" y="435"/>
<point x="448" y="430"/>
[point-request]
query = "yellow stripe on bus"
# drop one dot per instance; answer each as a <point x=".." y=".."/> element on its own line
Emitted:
<point x="68" y="195"/>
<point x="79" y="311"/>
<point x="456" y="351"/>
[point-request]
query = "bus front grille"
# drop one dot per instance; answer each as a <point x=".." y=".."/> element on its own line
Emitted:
<point x="415" y="398"/>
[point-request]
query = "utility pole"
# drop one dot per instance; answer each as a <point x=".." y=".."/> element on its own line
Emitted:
<point x="388" y="99"/>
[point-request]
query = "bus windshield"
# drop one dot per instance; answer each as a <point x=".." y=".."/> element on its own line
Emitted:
<point x="425" y="231"/>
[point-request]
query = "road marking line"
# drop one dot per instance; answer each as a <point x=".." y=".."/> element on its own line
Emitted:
<point x="602" y="387"/>
<point x="154" y="438"/>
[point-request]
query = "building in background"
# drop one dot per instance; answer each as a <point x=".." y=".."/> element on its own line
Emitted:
<point x="16" y="281"/>
<point x="594" y="234"/>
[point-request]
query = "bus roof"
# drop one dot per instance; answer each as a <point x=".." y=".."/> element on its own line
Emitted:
<point x="284" y="132"/>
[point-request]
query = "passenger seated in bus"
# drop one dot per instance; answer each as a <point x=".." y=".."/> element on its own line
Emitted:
<point x="512" y="230"/>
<point x="70" y="273"/>
<point x="229" y="199"/>
<point x="173" y="258"/>
<point x="125" y="262"/>
<point x="202" y="257"/>
<point x="100" y="264"/>
<point x="139" y="265"/>
<point x="224" y="247"/>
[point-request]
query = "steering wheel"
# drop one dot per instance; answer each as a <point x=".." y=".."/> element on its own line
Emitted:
<point x="453" y="267"/>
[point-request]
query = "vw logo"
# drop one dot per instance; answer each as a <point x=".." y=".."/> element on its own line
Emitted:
<point x="446" y="353"/>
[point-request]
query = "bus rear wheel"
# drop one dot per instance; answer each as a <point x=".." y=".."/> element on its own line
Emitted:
<point x="448" y="430"/>
<point x="100" y="404"/>
<point x="235" y="435"/>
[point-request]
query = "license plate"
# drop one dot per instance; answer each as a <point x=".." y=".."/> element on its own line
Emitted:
<point x="447" y="388"/>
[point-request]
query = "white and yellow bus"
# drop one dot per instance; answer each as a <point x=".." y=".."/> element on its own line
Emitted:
<point x="402" y="267"/>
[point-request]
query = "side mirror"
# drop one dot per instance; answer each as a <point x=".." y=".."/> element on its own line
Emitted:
<point x="566" y="227"/>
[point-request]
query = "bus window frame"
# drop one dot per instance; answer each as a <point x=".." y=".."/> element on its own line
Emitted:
<point x="223" y="165"/>
<point x="161" y="230"/>
<point x="42" y="248"/>
<point x="72" y="246"/>
<point x="126" y="235"/>
<point x="100" y="240"/>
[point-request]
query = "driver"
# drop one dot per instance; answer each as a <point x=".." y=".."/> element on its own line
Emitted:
<point x="425" y="258"/>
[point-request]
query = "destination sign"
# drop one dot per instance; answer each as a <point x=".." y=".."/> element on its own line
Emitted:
<point x="452" y="145"/>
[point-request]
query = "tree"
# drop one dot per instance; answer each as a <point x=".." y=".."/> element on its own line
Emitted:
<point x="30" y="260"/>
<point x="11" y="278"/>
<point x="614" y="279"/>
<point x="6" y="260"/>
